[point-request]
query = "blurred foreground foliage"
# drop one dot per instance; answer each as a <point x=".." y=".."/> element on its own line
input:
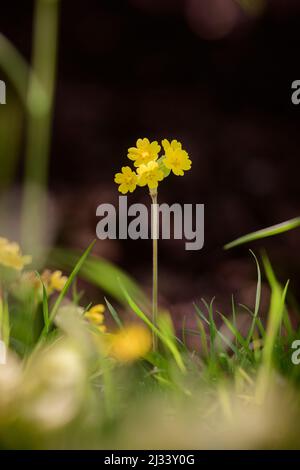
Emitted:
<point x="72" y="381"/>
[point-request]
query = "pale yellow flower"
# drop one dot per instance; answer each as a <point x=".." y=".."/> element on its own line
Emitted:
<point x="144" y="152"/>
<point x="11" y="256"/>
<point x="127" y="180"/>
<point x="95" y="316"/>
<point x="176" y="159"/>
<point x="150" y="175"/>
<point x="53" y="281"/>
<point x="130" y="343"/>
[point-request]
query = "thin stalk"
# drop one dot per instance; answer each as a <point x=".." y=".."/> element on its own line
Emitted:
<point x="154" y="234"/>
<point x="34" y="211"/>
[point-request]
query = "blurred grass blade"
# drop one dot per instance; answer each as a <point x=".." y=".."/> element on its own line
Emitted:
<point x="18" y="70"/>
<point x="212" y="325"/>
<point x="257" y="321"/>
<point x="45" y="306"/>
<point x="233" y="313"/>
<point x="274" y="320"/>
<point x="113" y="313"/>
<point x="257" y="300"/>
<point x="266" y="232"/>
<point x="223" y="337"/>
<point x="39" y="126"/>
<point x="274" y="281"/>
<point x="4" y="322"/>
<point x="203" y="338"/>
<point x="278" y="296"/>
<point x="166" y="340"/>
<point x="237" y="335"/>
<point x="45" y="309"/>
<point x="101" y="273"/>
<point x="70" y="280"/>
<point x="11" y="118"/>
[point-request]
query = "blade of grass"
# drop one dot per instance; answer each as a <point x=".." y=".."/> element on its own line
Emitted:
<point x="257" y="321"/>
<point x="183" y="330"/>
<point x="224" y="339"/>
<point x="266" y="232"/>
<point x="45" y="306"/>
<point x="39" y="126"/>
<point x="237" y="335"/>
<point x="272" y="279"/>
<point x="257" y="300"/>
<point x="69" y="282"/>
<point x="18" y="71"/>
<point x="102" y="274"/>
<point x="114" y="313"/>
<point x="165" y="340"/>
<point x="275" y="317"/>
<point x="203" y="338"/>
<point x="212" y="325"/>
<point x="4" y="322"/>
<point x="233" y="315"/>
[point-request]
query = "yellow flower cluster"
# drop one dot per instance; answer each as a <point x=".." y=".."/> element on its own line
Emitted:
<point x="95" y="317"/>
<point x="150" y="168"/>
<point x="11" y="256"/>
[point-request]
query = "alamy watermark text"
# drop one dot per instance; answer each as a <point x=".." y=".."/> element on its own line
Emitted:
<point x="133" y="222"/>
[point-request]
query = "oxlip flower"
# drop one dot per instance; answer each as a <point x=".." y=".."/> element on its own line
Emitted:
<point x="152" y="168"/>
<point x="95" y="316"/>
<point x="53" y="281"/>
<point x="150" y="175"/>
<point x="11" y="255"/>
<point x="127" y="180"/>
<point x="144" y="152"/>
<point x="176" y="159"/>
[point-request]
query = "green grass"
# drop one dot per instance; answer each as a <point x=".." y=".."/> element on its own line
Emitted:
<point x="70" y="393"/>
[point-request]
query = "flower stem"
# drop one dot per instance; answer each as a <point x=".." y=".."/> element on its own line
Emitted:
<point x="154" y="234"/>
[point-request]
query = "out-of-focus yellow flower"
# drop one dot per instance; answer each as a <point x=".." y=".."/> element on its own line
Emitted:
<point x="57" y="281"/>
<point x="176" y="159"/>
<point x="95" y="317"/>
<point x="144" y="152"/>
<point x="150" y="175"/>
<point x="130" y="343"/>
<point x="127" y="180"/>
<point x="11" y="256"/>
<point x="53" y="281"/>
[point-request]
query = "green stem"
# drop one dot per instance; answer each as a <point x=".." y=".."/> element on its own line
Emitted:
<point x="154" y="234"/>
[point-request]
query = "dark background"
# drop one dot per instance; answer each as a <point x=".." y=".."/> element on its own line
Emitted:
<point x="206" y="73"/>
